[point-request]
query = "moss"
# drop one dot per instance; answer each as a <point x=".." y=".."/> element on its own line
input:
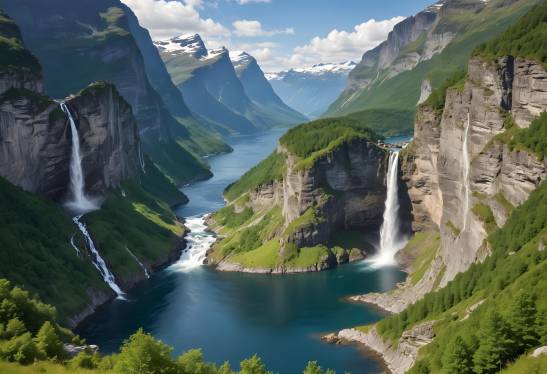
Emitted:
<point x="507" y="206"/>
<point x="426" y="244"/>
<point x="484" y="213"/>
<point x="39" y="101"/>
<point x="309" y="217"/>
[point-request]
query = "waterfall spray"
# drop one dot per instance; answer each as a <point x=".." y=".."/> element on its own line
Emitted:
<point x="79" y="203"/>
<point x="390" y="238"/>
<point x="465" y="160"/>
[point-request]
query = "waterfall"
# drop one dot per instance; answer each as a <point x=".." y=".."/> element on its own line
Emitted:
<point x="74" y="246"/>
<point x="390" y="238"/>
<point x="79" y="203"/>
<point x="465" y="160"/>
<point x="141" y="159"/>
<point x="97" y="260"/>
<point x="199" y="241"/>
<point x="139" y="262"/>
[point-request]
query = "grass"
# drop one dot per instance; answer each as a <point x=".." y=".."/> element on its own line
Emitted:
<point x="47" y="368"/>
<point x="265" y="256"/>
<point x="349" y="239"/>
<point x="527" y="364"/>
<point x="228" y="217"/>
<point x="309" y="217"/>
<point x="502" y="200"/>
<point x="268" y="170"/>
<point x="308" y="256"/>
<point x="532" y="139"/>
<point x="437" y="98"/>
<point x="386" y="122"/>
<point x="455" y="230"/>
<point x="423" y="247"/>
<point x="484" y="213"/>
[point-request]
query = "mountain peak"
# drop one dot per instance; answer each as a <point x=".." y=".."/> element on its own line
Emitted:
<point x="241" y="59"/>
<point x="187" y="43"/>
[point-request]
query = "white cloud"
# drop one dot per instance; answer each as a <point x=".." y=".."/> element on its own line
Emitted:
<point x="243" y="2"/>
<point x="168" y="18"/>
<point x="343" y="45"/>
<point x="253" y="28"/>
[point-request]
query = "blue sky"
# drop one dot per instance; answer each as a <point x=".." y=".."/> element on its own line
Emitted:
<point x="280" y="33"/>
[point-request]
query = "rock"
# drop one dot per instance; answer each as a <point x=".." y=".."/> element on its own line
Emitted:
<point x="540" y="351"/>
<point x="356" y="254"/>
<point x="331" y="338"/>
<point x="73" y="350"/>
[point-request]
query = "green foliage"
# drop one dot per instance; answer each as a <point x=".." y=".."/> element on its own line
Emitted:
<point x="484" y="212"/>
<point x="40" y="102"/>
<point x="228" y="217"/>
<point x="511" y="283"/>
<point x="312" y="139"/>
<point x="526" y="38"/>
<point x="13" y="54"/>
<point x="142" y="354"/>
<point x="267" y="171"/>
<point x="158" y="185"/>
<point x="457" y="358"/>
<point x="48" y="342"/>
<point x="533" y="138"/>
<point x="386" y="122"/>
<point x="437" y="98"/>
<point x="84" y="360"/>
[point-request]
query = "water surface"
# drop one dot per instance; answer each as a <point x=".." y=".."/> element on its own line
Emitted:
<point x="232" y="316"/>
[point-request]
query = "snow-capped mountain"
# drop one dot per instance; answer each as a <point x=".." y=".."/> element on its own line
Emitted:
<point x="212" y="89"/>
<point x="311" y="90"/>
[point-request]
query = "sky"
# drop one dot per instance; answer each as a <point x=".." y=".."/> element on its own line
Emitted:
<point x="280" y="34"/>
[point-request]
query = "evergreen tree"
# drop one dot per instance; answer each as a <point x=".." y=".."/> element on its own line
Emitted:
<point x="457" y="358"/>
<point x="313" y="368"/>
<point x="522" y="320"/>
<point x="495" y="345"/>
<point x="142" y="354"/>
<point x="253" y="365"/>
<point x="48" y="342"/>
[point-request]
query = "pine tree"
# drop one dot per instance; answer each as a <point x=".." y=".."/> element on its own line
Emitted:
<point x="48" y="342"/>
<point x="522" y="320"/>
<point x="495" y="345"/>
<point x="457" y="358"/>
<point x="313" y="368"/>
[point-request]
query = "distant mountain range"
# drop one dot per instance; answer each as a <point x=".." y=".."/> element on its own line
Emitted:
<point x="311" y="90"/>
<point x="228" y="98"/>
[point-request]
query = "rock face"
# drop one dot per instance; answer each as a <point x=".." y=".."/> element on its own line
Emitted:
<point x="80" y="43"/>
<point x="400" y="357"/>
<point x="36" y="141"/>
<point x="456" y="161"/>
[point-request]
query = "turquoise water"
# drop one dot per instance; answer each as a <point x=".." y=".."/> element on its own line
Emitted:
<point x="232" y="316"/>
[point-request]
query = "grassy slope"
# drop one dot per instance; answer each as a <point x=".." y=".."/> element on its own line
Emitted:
<point x="13" y="55"/>
<point x="35" y="250"/>
<point x="403" y="91"/>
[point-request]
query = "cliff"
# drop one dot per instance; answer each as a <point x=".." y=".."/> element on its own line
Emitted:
<point x="80" y="43"/>
<point x="463" y="176"/>
<point x="305" y="211"/>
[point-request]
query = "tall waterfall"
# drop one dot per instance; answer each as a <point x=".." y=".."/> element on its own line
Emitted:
<point x="79" y="203"/>
<point x="390" y="237"/>
<point x="465" y="160"/>
<point x="97" y="260"/>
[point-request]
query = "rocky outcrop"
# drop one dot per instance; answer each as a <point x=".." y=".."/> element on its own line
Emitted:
<point x="36" y="146"/>
<point x="399" y="356"/>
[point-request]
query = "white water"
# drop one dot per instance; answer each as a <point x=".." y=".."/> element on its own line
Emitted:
<point x="139" y="262"/>
<point x="141" y="159"/>
<point x="465" y="160"/>
<point x="97" y="260"/>
<point x="199" y="241"/>
<point x="391" y="240"/>
<point x="79" y="203"/>
<point x="74" y="245"/>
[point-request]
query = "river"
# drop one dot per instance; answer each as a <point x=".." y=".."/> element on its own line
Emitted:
<point x="232" y="316"/>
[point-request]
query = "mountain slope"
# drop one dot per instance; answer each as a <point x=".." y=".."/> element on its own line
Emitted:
<point x="79" y="43"/>
<point x="211" y="88"/>
<point x="311" y="90"/>
<point x="259" y="90"/>
<point x="398" y="82"/>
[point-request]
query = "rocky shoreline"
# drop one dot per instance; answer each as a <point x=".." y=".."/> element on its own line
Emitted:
<point x="398" y="356"/>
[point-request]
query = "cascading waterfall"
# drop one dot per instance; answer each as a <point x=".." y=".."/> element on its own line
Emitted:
<point x="139" y="262"/>
<point x="97" y="260"/>
<point x="390" y="237"/>
<point x="79" y="203"/>
<point x="141" y="159"/>
<point x="74" y="246"/>
<point x="199" y="241"/>
<point x="465" y="160"/>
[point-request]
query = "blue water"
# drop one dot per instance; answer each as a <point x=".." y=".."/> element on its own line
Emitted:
<point x="232" y="316"/>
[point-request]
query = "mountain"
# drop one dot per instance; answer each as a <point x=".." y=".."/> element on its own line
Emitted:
<point x="420" y="53"/>
<point x="78" y="44"/>
<point x="259" y="90"/>
<point x="212" y="89"/>
<point x="311" y="90"/>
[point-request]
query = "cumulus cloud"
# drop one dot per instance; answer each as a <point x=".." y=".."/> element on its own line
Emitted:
<point x="168" y="18"/>
<point x="253" y="28"/>
<point x="343" y="45"/>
